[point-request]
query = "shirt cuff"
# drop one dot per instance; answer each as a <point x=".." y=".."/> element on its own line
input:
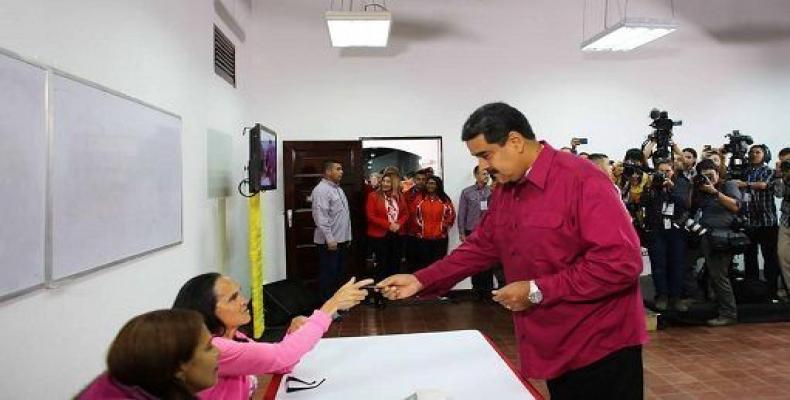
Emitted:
<point x="534" y="288"/>
<point x="322" y="319"/>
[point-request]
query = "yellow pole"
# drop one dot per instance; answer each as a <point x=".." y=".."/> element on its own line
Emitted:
<point x="256" y="264"/>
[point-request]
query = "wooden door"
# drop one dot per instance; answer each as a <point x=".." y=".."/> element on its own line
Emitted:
<point x="302" y="165"/>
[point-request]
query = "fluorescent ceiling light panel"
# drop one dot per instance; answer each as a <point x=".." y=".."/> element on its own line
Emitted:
<point x="359" y="29"/>
<point x="629" y="34"/>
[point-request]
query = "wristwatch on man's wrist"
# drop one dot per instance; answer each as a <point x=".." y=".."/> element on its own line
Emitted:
<point x="535" y="295"/>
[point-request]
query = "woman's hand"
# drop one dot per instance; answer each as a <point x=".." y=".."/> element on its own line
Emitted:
<point x="296" y="323"/>
<point x="347" y="296"/>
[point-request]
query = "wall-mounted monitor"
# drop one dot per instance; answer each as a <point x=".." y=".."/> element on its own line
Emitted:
<point x="262" y="166"/>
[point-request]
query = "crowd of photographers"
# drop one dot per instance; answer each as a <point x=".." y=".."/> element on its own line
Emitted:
<point x="712" y="205"/>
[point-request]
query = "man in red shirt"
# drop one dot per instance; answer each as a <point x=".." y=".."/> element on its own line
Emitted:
<point x="570" y="254"/>
<point x="410" y="242"/>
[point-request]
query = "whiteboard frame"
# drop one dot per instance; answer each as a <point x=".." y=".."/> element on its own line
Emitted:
<point x="49" y="281"/>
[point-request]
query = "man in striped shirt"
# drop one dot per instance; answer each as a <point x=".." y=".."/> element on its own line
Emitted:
<point x="760" y="212"/>
<point x="782" y="191"/>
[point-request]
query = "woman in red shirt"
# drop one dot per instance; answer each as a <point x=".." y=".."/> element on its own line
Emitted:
<point x="434" y="215"/>
<point x="386" y="213"/>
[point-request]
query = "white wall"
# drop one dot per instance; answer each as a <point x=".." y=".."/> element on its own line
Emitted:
<point x="54" y="341"/>
<point x="725" y="69"/>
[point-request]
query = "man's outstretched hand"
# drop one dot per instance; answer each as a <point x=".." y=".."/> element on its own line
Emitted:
<point x="399" y="286"/>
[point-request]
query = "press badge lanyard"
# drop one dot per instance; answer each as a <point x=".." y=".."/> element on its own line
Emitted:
<point x="483" y="201"/>
<point x="668" y="210"/>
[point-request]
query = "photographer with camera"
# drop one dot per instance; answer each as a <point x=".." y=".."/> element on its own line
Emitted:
<point x="719" y="160"/>
<point x="719" y="202"/>
<point x="634" y="172"/>
<point x="665" y="203"/>
<point x="632" y="184"/>
<point x="686" y="171"/>
<point x="759" y="209"/>
<point x="782" y="191"/>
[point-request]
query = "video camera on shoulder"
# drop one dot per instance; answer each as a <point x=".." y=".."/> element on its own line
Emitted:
<point x="738" y="146"/>
<point x="662" y="133"/>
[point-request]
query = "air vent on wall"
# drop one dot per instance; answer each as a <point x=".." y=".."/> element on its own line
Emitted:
<point x="224" y="57"/>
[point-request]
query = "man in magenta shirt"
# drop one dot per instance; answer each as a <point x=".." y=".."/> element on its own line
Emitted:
<point x="571" y="258"/>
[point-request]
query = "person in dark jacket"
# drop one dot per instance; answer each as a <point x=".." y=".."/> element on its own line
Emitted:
<point x="666" y="203"/>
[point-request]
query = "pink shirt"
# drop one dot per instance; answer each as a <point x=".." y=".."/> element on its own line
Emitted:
<point x="565" y="227"/>
<point x="239" y="360"/>
<point x="106" y="388"/>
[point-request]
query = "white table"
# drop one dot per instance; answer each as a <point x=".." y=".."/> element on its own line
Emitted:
<point x="461" y="364"/>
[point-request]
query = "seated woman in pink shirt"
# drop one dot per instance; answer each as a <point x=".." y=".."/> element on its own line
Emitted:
<point x="224" y="309"/>
<point x="164" y="354"/>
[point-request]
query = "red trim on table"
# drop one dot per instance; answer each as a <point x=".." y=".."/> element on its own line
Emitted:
<point x="274" y="384"/>
<point x="535" y="393"/>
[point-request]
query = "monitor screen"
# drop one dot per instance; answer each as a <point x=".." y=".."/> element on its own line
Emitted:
<point x="263" y="159"/>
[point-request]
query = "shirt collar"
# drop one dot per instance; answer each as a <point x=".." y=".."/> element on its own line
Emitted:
<point x="539" y="171"/>
<point x="333" y="184"/>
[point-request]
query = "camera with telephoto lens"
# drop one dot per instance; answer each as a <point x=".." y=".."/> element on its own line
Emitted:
<point x="684" y="221"/>
<point x="695" y="228"/>
<point x="662" y="133"/>
<point x="631" y="168"/>
<point x="700" y="181"/>
<point x="739" y="148"/>
<point x="659" y="178"/>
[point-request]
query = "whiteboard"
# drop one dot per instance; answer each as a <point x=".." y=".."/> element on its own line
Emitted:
<point x="460" y="364"/>
<point x="115" y="180"/>
<point x="23" y="171"/>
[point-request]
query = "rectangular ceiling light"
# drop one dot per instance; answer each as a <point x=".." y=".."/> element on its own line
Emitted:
<point x="359" y="29"/>
<point x="629" y="34"/>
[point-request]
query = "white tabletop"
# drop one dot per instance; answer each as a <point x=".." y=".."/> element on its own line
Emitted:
<point x="460" y="364"/>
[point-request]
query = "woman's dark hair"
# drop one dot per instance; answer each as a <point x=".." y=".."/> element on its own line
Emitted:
<point x="198" y="295"/>
<point x="150" y="349"/>
<point x="636" y="155"/>
<point x="439" y="188"/>
<point x="495" y="121"/>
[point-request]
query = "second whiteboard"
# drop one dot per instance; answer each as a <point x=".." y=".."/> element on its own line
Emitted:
<point x="116" y="177"/>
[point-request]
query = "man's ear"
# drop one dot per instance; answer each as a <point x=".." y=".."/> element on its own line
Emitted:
<point x="517" y="141"/>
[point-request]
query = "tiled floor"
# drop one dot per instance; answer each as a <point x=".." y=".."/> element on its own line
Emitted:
<point x="738" y="362"/>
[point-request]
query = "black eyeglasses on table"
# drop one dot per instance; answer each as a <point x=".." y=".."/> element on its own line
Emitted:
<point x="295" y="387"/>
